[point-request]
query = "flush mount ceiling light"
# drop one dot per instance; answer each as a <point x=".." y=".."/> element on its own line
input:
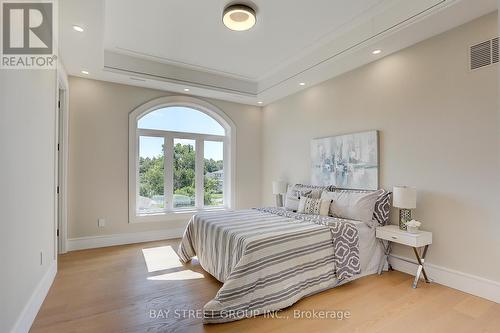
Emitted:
<point x="78" y="28"/>
<point x="302" y="84"/>
<point x="376" y="51"/>
<point x="85" y="72"/>
<point x="239" y="17"/>
<point x="186" y="89"/>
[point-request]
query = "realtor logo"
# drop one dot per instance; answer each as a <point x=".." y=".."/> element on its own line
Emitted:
<point x="28" y="35"/>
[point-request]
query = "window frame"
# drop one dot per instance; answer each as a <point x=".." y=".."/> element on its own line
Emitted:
<point x="229" y="142"/>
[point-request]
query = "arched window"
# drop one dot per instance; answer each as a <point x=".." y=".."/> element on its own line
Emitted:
<point x="180" y="158"/>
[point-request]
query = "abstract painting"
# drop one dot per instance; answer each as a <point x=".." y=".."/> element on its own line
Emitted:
<point x="346" y="161"/>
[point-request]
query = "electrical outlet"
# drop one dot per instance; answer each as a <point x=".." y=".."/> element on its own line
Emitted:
<point x="101" y="223"/>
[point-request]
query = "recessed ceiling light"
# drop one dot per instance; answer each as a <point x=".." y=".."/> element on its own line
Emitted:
<point x="377" y="52"/>
<point x="78" y="28"/>
<point x="259" y="102"/>
<point x="239" y="17"/>
<point x="85" y="72"/>
<point x="302" y="83"/>
<point x="186" y="89"/>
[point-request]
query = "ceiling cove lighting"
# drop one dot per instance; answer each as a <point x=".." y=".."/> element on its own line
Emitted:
<point x="239" y="17"/>
<point x="78" y="28"/>
<point x="85" y="72"/>
<point x="376" y="51"/>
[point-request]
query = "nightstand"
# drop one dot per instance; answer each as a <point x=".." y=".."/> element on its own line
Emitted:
<point x="390" y="234"/>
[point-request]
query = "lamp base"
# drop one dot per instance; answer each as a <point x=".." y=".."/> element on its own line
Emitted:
<point x="278" y="198"/>
<point x="404" y="216"/>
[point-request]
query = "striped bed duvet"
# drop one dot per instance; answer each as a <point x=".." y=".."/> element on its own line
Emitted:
<point x="269" y="258"/>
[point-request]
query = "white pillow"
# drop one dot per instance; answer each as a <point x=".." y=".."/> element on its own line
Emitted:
<point x="314" y="206"/>
<point x="292" y="198"/>
<point x="352" y="205"/>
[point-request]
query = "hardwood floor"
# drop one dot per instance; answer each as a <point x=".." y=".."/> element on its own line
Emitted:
<point x="120" y="289"/>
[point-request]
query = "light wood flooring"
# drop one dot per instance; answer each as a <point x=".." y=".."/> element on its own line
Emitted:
<point x="120" y="289"/>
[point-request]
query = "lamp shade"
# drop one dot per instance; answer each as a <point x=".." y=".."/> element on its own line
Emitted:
<point x="404" y="197"/>
<point x="279" y="187"/>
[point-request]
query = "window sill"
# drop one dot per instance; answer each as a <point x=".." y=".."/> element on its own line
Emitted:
<point x="173" y="215"/>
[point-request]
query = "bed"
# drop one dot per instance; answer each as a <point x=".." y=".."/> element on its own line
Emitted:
<point x="269" y="258"/>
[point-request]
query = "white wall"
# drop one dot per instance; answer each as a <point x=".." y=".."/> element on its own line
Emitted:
<point x="98" y="156"/>
<point x="27" y="191"/>
<point x="439" y="132"/>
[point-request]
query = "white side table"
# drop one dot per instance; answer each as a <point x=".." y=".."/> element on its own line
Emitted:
<point x="392" y="234"/>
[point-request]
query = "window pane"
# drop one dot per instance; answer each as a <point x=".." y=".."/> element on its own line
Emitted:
<point x="181" y="119"/>
<point x="184" y="173"/>
<point x="151" y="175"/>
<point x="214" y="173"/>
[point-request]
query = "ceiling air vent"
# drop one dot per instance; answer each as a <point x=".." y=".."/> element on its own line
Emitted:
<point x="484" y="54"/>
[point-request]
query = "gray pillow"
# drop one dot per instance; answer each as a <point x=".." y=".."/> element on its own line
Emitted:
<point x="352" y="205"/>
<point x="382" y="205"/>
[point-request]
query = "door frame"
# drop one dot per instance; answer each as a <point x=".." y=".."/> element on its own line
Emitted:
<point x="61" y="160"/>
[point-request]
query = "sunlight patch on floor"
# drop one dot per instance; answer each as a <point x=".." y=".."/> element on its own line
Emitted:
<point x="176" y="276"/>
<point x="161" y="258"/>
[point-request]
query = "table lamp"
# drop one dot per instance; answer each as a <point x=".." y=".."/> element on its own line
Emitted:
<point x="404" y="198"/>
<point x="279" y="187"/>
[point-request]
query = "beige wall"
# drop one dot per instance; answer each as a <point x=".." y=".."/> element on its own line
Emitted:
<point x="27" y="187"/>
<point x="438" y="132"/>
<point x="98" y="158"/>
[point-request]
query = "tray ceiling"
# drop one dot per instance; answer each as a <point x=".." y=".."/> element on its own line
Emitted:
<point x="174" y="45"/>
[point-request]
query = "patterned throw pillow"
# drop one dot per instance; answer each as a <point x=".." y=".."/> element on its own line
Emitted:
<point x="383" y="208"/>
<point x="295" y="192"/>
<point x="314" y="206"/>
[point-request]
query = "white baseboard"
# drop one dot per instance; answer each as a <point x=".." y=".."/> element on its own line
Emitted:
<point x="93" y="242"/>
<point x="465" y="282"/>
<point x="28" y="315"/>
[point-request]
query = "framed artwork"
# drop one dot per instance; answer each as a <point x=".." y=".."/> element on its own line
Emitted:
<point x="346" y="161"/>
